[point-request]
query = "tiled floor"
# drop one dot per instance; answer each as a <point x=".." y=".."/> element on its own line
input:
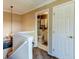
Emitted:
<point x="41" y="54"/>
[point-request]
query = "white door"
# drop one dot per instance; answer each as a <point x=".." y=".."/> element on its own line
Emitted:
<point x="63" y="31"/>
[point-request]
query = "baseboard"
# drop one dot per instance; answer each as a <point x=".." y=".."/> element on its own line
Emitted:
<point x="53" y="55"/>
<point x="50" y="54"/>
<point x="34" y="45"/>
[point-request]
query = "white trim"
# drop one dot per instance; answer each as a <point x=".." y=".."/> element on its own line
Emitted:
<point x="51" y="54"/>
<point x="48" y="30"/>
<point x="36" y="36"/>
<point x="14" y="12"/>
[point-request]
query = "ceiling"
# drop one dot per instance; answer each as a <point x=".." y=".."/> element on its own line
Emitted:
<point x="24" y="6"/>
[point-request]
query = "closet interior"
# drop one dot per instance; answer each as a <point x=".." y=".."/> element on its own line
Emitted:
<point x="42" y="30"/>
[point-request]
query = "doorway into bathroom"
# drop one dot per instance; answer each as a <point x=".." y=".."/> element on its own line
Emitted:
<point x="42" y="29"/>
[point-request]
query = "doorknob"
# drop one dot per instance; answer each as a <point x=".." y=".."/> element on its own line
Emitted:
<point x="70" y="37"/>
<point x="33" y="43"/>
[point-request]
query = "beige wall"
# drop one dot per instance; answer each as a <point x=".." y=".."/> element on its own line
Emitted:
<point x="7" y="23"/>
<point x="28" y="21"/>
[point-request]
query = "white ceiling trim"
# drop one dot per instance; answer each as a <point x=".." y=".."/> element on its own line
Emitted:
<point x="14" y="12"/>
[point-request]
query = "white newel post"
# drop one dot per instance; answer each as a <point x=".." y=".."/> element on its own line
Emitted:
<point x="30" y="39"/>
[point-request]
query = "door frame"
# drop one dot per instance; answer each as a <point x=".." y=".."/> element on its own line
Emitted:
<point x="36" y="35"/>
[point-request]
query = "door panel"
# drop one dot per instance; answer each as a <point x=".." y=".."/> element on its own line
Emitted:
<point x="63" y="31"/>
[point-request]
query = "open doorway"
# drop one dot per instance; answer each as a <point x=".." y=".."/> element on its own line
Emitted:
<point x="42" y="29"/>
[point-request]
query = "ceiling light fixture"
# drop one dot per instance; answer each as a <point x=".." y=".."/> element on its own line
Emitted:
<point x="11" y="18"/>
